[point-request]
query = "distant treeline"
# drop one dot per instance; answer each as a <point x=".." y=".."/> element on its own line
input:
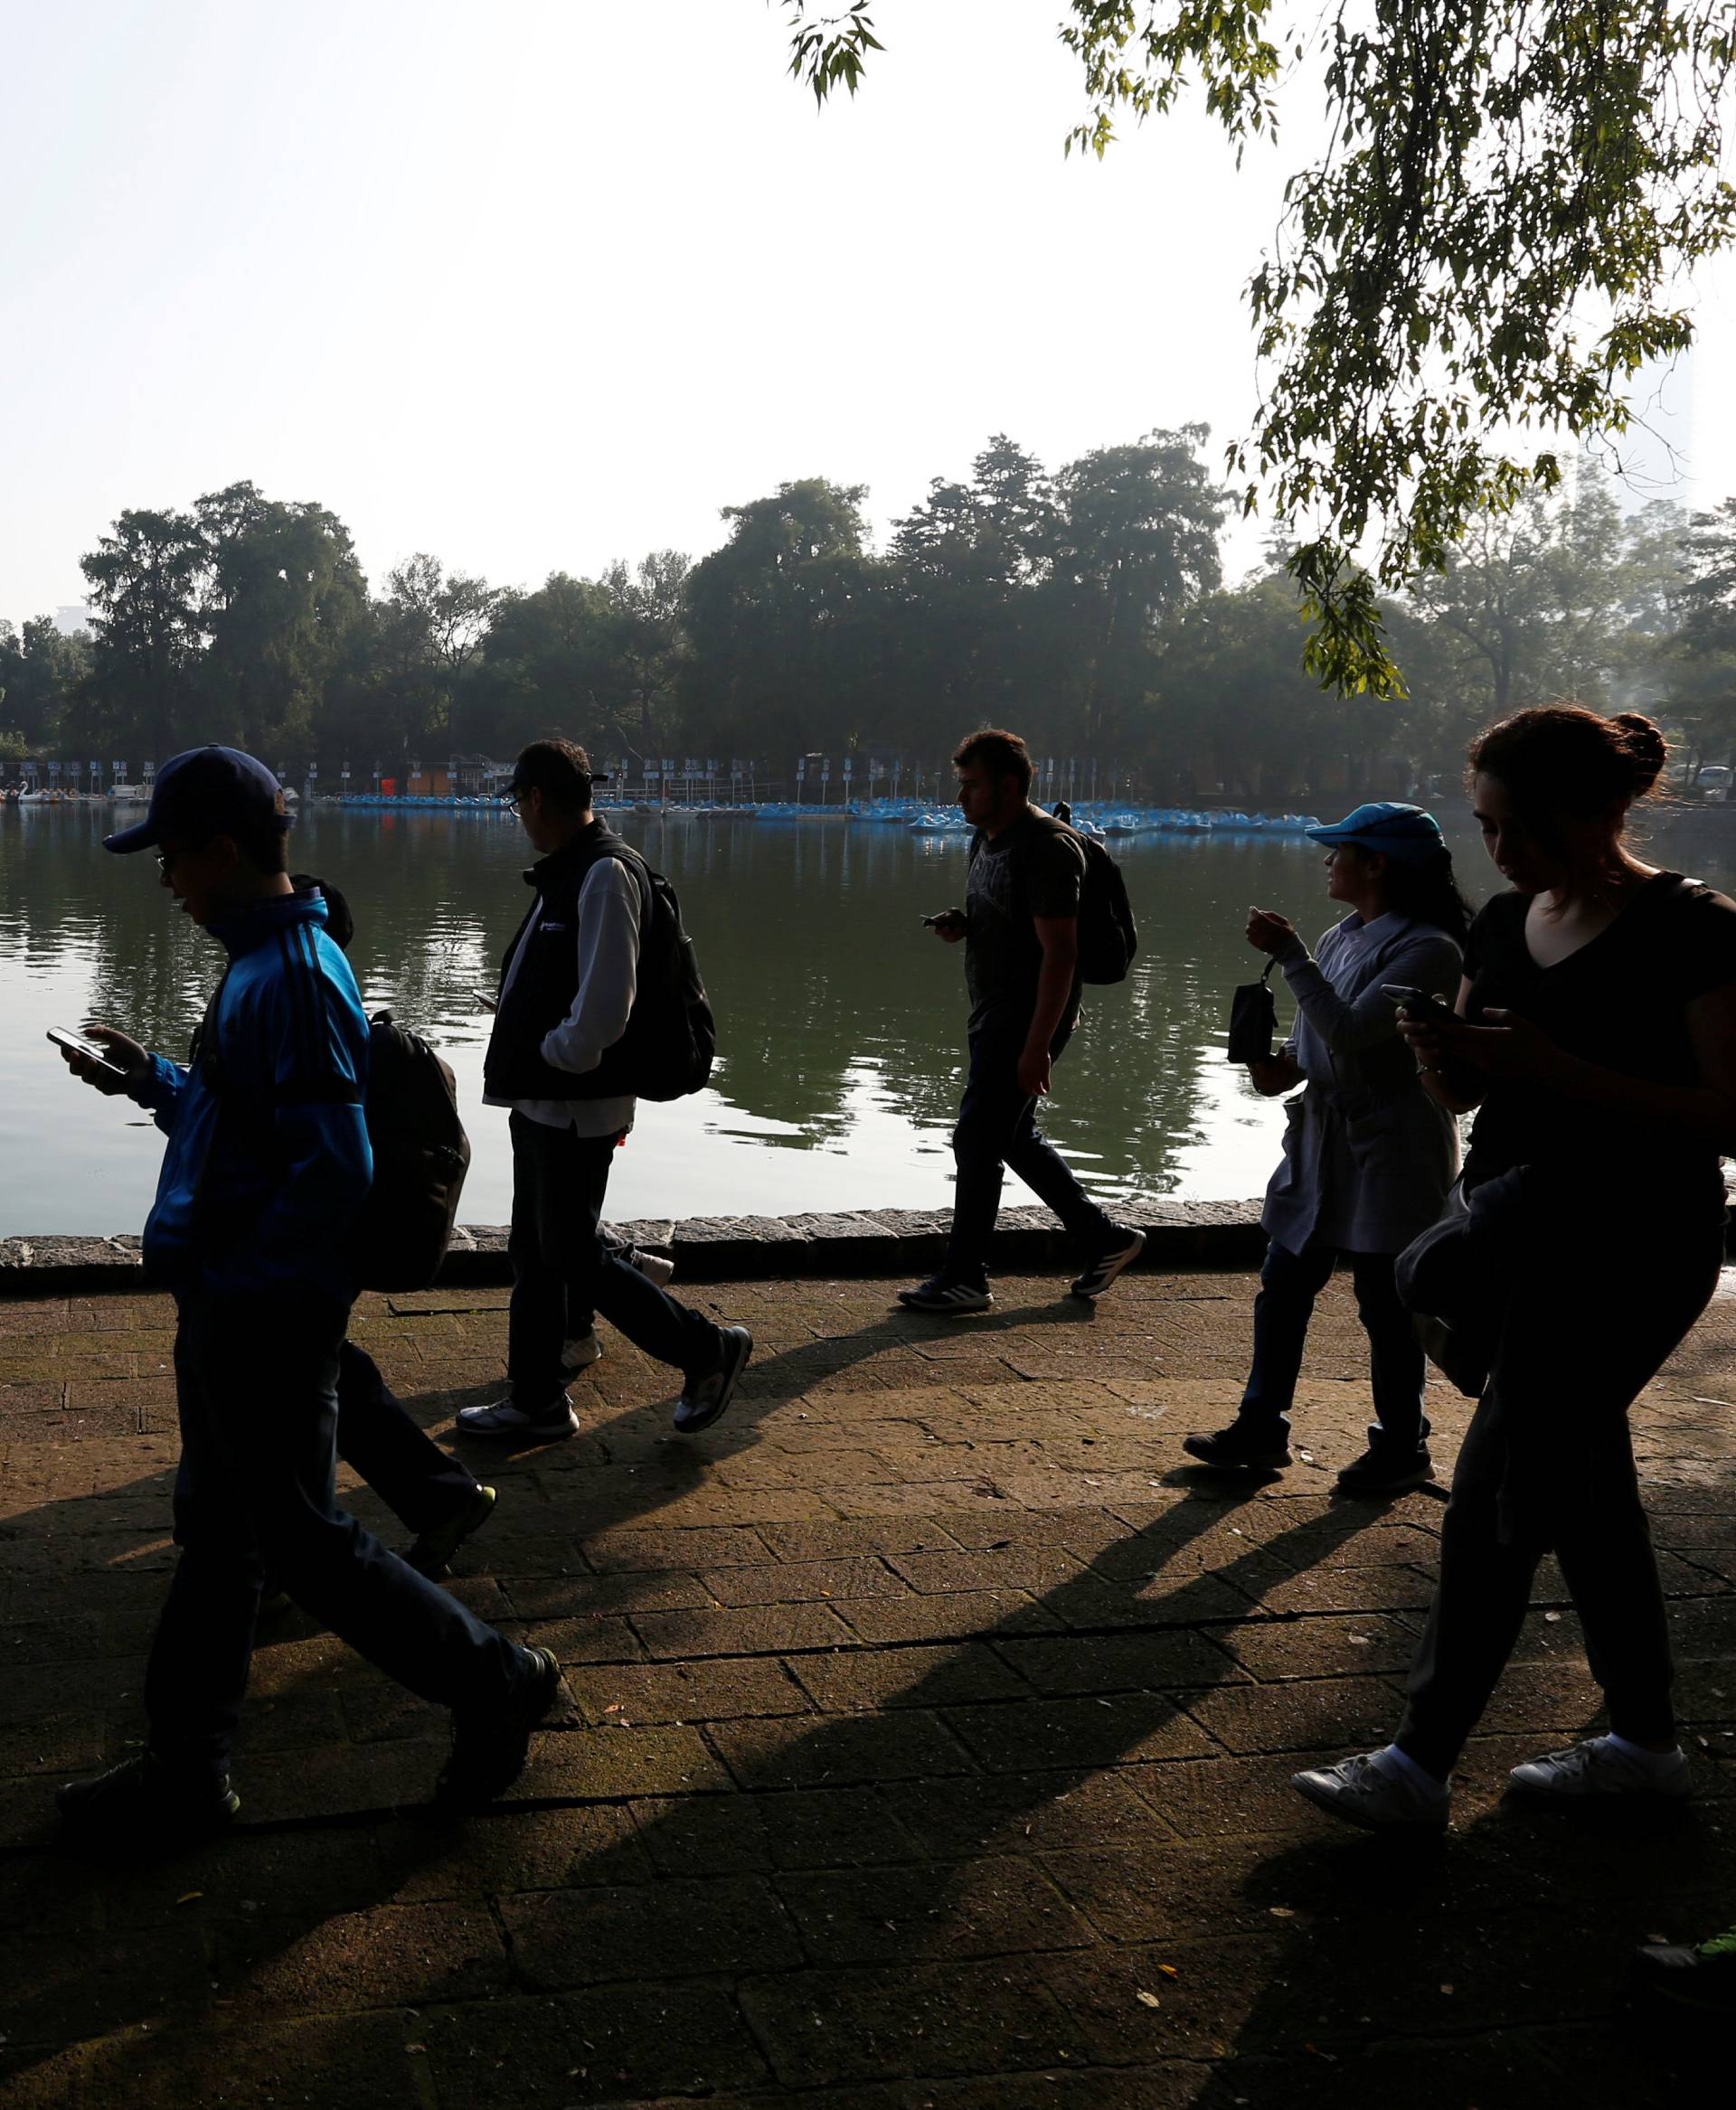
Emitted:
<point x="1083" y="606"/>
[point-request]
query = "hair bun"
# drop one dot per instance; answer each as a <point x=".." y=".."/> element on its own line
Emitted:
<point x="1647" y="749"/>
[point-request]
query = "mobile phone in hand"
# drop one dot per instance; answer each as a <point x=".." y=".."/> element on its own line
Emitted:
<point x="487" y="998"/>
<point x="1418" y="1005"/>
<point x="75" y="1044"/>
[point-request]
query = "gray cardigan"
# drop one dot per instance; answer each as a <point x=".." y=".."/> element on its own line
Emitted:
<point x="1368" y="1155"/>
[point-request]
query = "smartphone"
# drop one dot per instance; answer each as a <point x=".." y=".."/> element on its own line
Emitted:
<point x="1420" y="1005"/>
<point x="487" y="998"/>
<point x="75" y="1044"/>
<point x="944" y="915"/>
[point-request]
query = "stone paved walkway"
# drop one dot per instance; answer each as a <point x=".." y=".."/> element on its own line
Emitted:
<point x="925" y="1743"/>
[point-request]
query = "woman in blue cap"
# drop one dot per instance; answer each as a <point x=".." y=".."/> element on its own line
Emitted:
<point x="1368" y="1156"/>
<point x="1596" y="1040"/>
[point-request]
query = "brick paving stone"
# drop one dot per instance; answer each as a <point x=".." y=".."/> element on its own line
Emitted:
<point x="864" y="1680"/>
<point x="937" y="1631"/>
<point x="1020" y="1812"/>
<point x="675" y="1928"/>
<point x="792" y="1582"/>
<point x="617" y="2044"/>
<point x="839" y="1750"/>
<point x="828" y="2028"/>
<point x="1085" y="1731"/>
<point x="930" y="1911"/>
<point x="746" y="1630"/>
<point x="716" y="1690"/>
<point x="396" y="1955"/>
<point x="1127" y="1663"/>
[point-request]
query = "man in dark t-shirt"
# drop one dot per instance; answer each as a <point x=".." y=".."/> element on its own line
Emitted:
<point x="1020" y="927"/>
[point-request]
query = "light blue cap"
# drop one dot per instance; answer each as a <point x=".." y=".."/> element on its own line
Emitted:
<point x="1404" y="831"/>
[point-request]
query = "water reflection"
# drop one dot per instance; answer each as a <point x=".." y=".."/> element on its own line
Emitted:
<point x="841" y="1020"/>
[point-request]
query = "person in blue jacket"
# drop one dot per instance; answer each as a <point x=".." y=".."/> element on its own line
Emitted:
<point x="266" y="1166"/>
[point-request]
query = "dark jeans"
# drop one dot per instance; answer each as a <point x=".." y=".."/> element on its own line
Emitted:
<point x="1581" y="1342"/>
<point x="419" y="1483"/>
<point x="997" y="1134"/>
<point x="1288" y="1284"/>
<point x="256" y="1382"/>
<point x="560" y="1266"/>
<point x="580" y="1318"/>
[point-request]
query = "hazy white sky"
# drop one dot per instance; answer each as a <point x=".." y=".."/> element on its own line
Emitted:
<point x="536" y="283"/>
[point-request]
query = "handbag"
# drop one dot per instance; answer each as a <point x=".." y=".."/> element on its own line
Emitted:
<point x="1253" y="1020"/>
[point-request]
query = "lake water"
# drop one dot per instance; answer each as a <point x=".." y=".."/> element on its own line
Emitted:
<point x="840" y="1019"/>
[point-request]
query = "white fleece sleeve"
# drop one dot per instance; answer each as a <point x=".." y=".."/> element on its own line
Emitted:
<point x="609" y="970"/>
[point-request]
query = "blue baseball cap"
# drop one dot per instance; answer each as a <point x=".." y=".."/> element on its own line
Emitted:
<point x="205" y="792"/>
<point x="1404" y="831"/>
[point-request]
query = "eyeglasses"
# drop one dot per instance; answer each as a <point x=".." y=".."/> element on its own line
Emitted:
<point x="164" y="861"/>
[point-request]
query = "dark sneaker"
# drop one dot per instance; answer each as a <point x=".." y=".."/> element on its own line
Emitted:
<point x="432" y="1552"/>
<point x="506" y="1419"/>
<point x="491" y="1743"/>
<point x="1128" y="1247"/>
<point x="1703" y="1977"/>
<point x="706" y="1398"/>
<point x="1243" y="1447"/>
<point x="939" y="1295"/>
<point x="142" y="1806"/>
<point x="1382" y="1469"/>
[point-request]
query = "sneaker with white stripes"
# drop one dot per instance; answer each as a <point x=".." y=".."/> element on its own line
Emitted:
<point x="938" y="1295"/>
<point x="1128" y="1247"/>
<point x="1600" y="1767"/>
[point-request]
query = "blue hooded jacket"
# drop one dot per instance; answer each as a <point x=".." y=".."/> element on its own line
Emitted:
<point x="261" y="1181"/>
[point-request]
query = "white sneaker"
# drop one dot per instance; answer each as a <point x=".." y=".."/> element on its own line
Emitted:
<point x="505" y="1418"/>
<point x="1364" y="1793"/>
<point x="654" y="1267"/>
<point x="581" y="1353"/>
<point x="1598" y="1767"/>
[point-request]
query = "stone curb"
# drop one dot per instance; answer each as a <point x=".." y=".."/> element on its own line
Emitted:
<point x="730" y="1249"/>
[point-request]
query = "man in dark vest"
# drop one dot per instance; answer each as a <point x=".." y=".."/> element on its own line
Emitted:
<point x="563" y="1057"/>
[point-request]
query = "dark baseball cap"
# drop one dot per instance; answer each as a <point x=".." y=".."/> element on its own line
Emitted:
<point x="202" y="792"/>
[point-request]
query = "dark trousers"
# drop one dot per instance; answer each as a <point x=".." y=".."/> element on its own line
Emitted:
<point x="997" y="1134"/>
<point x="559" y="1265"/>
<point x="1288" y="1284"/>
<point x="256" y="1382"/>
<point x="419" y="1483"/>
<point x="1579" y="1346"/>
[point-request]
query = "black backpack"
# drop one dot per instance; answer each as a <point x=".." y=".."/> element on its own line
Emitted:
<point x="420" y="1153"/>
<point x="1107" y="940"/>
<point x="671" y="1038"/>
<point x="421" y="1156"/>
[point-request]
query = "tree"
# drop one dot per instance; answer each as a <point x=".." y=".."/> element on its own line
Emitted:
<point x="1140" y="540"/>
<point x="1490" y="241"/>
<point x="647" y="642"/>
<point x="542" y="658"/>
<point x="1699" y="665"/>
<point x="1554" y="597"/>
<point x="40" y="674"/>
<point x="284" y="610"/>
<point x="145" y="579"/>
<point x="783" y="619"/>
<point x="428" y="634"/>
<point x="972" y="634"/>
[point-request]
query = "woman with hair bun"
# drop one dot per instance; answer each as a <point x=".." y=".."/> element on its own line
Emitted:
<point x="1596" y="1038"/>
